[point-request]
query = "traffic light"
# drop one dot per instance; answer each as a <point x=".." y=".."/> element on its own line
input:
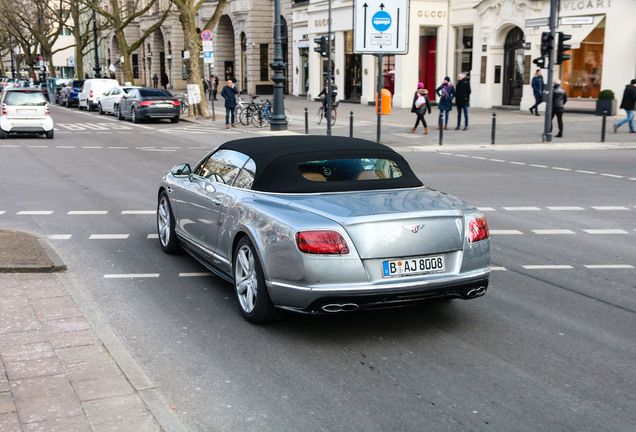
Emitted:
<point x="540" y="62"/>
<point x="561" y="47"/>
<point x="322" y="45"/>
<point x="547" y="44"/>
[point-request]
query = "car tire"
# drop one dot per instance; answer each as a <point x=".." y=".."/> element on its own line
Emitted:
<point x="100" y="109"/>
<point x="165" y="225"/>
<point x="3" y="134"/>
<point x="133" y="116"/>
<point x="120" y="116"/>
<point x="174" y="119"/>
<point x="50" y="134"/>
<point x="249" y="286"/>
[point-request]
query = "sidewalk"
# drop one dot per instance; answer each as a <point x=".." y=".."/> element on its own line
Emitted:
<point x="61" y="368"/>
<point x="512" y="127"/>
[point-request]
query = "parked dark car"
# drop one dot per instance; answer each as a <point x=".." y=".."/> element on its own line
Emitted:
<point x="148" y="103"/>
<point x="68" y="93"/>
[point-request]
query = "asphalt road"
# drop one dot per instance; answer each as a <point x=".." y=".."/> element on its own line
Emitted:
<point x="551" y="347"/>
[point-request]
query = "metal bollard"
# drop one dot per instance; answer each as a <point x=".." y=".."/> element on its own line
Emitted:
<point x="494" y="126"/>
<point x="306" y="122"/>
<point x="351" y="124"/>
<point x="441" y="127"/>
<point x="603" y="126"/>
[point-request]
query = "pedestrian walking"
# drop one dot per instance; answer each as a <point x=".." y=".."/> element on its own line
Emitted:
<point x="164" y="80"/>
<point x="205" y="86"/>
<point x="229" y="93"/>
<point x="446" y="93"/>
<point x="538" y="88"/>
<point x="216" y="86"/>
<point x="155" y="80"/>
<point x="421" y="103"/>
<point x="559" y="98"/>
<point x="628" y="103"/>
<point x="462" y="100"/>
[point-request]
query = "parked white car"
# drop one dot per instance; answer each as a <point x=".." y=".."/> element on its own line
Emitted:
<point x="109" y="102"/>
<point x="92" y="90"/>
<point x="25" y="111"/>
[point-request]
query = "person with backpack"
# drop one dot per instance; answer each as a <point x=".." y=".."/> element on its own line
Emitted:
<point x="421" y="103"/>
<point x="446" y="94"/>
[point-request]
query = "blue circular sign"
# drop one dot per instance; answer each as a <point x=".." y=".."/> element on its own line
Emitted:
<point x="381" y="21"/>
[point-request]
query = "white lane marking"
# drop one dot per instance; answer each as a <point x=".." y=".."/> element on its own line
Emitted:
<point x="60" y="236"/>
<point x="561" y="169"/>
<point x="38" y="146"/>
<point x="10" y="146"/>
<point x="131" y="275"/>
<point x="157" y="149"/>
<point x="87" y="212"/>
<point x="498" y="268"/>
<point x="92" y="147"/>
<point x="35" y="212"/>
<point x="2" y="211"/>
<point x="108" y="236"/>
<point x="479" y="157"/>
<point x="138" y="212"/>
<point x="585" y="172"/>
<point x="548" y="267"/>
<point x="497" y="160"/>
<point x="118" y="148"/>
<point x="612" y="175"/>
<point x="552" y="231"/>
<point x="521" y="208"/>
<point x="462" y="155"/>
<point x="196" y="274"/>
<point x="65" y="147"/>
<point x="605" y="231"/>
<point x="565" y="208"/>
<point x="609" y="208"/>
<point x="632" y="178"/>
<point x="518" y="163"/>
<point x="486" y="208"/>
<point x="152" y="236"/>
<point x="505" y="232"/>
<point x="609" y="266"/>
<point x="538" y="166"/>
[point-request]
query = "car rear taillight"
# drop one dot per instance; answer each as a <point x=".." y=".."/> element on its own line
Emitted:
<point x="478" y="230"/>
<point x="47" y="110"/>
<point x="146" y="103"/>
<point x="175" y="103"/>
<point x="4" y="108"/>
<point x="91" y="94"/>
<point x="321" y="242"/>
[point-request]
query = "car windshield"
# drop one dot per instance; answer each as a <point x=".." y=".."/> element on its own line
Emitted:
<point x="77" y="83"/>
<point x="154" y="93"/>
<point x="349" y="169"/>
<point x="25" y="99"/>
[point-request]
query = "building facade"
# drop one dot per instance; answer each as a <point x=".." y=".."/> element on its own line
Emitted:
<point x="494" y="41"/>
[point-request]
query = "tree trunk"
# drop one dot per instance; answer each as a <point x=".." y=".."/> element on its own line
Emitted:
<point x="193" y="45"/>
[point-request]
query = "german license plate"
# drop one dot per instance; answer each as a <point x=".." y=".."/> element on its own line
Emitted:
<point x="164" y="105"/>
<point x="413" y="266"/>
<point x="26" y="111"/>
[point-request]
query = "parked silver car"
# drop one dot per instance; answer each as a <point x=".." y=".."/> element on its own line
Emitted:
<point x="319" y="224"/>
<point x="25" y="111"/>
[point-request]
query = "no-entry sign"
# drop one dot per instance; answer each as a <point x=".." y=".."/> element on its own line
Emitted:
<point x="206" y="35"/>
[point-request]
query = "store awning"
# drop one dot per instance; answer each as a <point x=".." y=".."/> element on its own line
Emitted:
<point x="579" y="28"/>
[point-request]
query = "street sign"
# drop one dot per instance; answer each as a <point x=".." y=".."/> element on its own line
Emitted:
<point x="207" y="45"/>
<point x="538" y="22"/>
<point x="380" y="26"/>
<point x="208" y="57"/>
<point x="206" y="35"/>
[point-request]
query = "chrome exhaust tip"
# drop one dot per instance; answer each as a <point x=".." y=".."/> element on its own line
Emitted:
<point x="475" y="292"/>
<point x="335" y="307"/>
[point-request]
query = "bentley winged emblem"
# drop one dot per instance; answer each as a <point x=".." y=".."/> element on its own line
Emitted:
<point x="413" y="228"/>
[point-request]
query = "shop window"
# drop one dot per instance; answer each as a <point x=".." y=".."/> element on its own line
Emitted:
<point x="264" y="62"/>
<point x="135" y="65"/>
<point x="388" y="72"/>
<point x="463" y="50"/>
<point x="353" y="70"/>
<point x="583" y="72"/>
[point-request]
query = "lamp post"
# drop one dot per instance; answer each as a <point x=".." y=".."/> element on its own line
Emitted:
<point x="278" y="121"/>
<point x="97" y="69"/>
<point x="12" y="58"/>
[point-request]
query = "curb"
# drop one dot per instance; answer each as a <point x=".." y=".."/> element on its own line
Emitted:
<point x="54" y="264"/>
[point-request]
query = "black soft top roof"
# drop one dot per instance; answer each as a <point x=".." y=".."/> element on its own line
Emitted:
<point x="277" y="160"/>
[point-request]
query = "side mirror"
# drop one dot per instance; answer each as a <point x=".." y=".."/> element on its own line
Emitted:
<point x="182" y="170"/>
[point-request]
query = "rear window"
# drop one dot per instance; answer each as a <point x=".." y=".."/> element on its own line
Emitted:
<point x="77" y="83"/>
<point x="154" y="92"/>
<point x="24" y="98"/>
<point x="349" y="169"/>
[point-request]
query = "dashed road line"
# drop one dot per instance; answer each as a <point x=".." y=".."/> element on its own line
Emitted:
<point x="548" y="267"/>
<point x="552" y="231"/>
<point x="138" y="212"/>
<point x="505" y="232"/>
<point x="609" y="266"/>
<point x="565" y="208"/>
<point x="609" y="208"/>
<point x="87" y="212"/>
<point x="605" y="231"/>
<point x="60" y="236"/>
<point x="35" y="212"/>
<point x="130" y="275"/>
<point x="521" y="208"/>
<point x="200" y="274"/>
<point x="108" y="236"/>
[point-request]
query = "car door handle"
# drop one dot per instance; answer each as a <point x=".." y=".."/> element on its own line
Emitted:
<point x="216" y="200"/>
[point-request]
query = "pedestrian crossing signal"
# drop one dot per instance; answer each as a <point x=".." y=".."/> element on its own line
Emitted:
<point x="547" y="43"/>
<point x="540" y="62"/>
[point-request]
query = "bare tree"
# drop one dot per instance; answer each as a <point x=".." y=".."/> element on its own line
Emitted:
<point x="188" y="10"/>
<point x="120" y="14"/>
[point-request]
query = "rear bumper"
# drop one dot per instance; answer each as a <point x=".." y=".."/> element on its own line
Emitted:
<point x="158" y="113"/>
<point x="26" y="125"/>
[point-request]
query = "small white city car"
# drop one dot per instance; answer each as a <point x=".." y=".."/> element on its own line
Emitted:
<point x="25" y="111"/>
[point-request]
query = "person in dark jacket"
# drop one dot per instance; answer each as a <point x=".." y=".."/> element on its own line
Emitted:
<point x="628" y="103"/>
<point x="446" y="93"/>
<point x="164" y="80"/>
<point x="559" y="98"/>
<point x="462" y="100"/>
<point x="229" y="93"/>
<point x="420" y="95"/>
<point x="155" y="80"/>
<point x="538" y="88"/>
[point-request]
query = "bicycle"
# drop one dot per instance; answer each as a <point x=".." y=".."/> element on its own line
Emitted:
<point x="264" y="115"/>
<point x="244" y="113"/>
<point x="322" y="112"/>
<point x="185" y="105"/>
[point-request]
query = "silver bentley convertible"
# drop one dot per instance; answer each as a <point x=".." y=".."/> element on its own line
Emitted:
<point x="319" y="224"/>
